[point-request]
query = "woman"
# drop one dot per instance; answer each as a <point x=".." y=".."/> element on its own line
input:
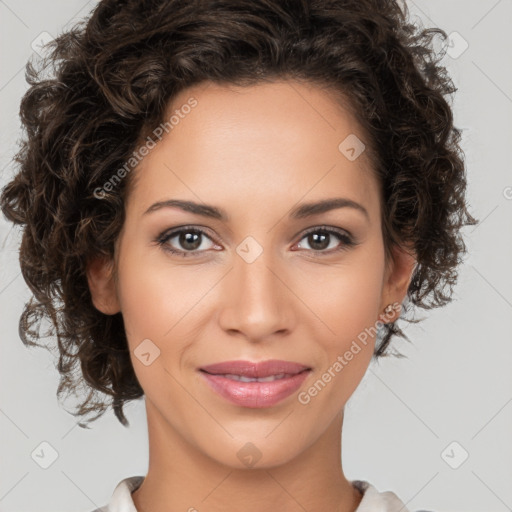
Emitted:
<point x="226" y="206"/>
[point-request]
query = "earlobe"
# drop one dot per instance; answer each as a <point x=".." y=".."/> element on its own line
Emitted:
<point x="398" y="277"/>
<point x="102" y="286"/>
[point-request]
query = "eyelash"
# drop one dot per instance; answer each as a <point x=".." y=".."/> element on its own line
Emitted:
<point x="162" y="240"/>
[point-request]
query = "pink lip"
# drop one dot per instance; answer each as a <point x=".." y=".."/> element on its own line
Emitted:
<point x="255" y="394"/>
<point x="250" y="369"/>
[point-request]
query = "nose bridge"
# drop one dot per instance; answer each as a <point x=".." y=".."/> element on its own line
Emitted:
<point x="257" y="303"/>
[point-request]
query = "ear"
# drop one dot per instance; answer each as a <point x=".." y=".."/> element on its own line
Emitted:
<point x="100" y="277"/>
<point x="398" y="275"/>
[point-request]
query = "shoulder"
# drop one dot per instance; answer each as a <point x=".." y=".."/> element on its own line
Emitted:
<point x="121" y="500"/>
<point x="375" y="501"/>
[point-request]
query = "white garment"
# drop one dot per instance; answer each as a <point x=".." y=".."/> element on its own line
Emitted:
<point x="372" y="501"/>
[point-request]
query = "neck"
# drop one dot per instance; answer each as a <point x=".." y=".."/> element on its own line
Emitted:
<point x="182" y="478"/>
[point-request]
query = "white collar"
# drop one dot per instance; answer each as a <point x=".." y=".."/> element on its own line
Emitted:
<point x="372" y="501"/>
<point x="375" y="501"/>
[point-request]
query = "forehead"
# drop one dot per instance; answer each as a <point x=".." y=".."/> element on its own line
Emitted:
<point x="271" y="143"/>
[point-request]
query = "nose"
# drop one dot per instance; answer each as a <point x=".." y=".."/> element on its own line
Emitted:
<point x="257" y="303"/>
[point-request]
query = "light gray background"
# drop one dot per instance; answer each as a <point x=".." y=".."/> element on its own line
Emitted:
<point x="455" y="385"/>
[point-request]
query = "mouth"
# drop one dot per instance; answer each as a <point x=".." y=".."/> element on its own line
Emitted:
<point x="255" y="385"/>
<point x="248" y="371"/>
<point x="243" y="378"/>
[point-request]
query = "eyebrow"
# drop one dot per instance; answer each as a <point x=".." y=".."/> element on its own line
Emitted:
<point x="299" y="212"/>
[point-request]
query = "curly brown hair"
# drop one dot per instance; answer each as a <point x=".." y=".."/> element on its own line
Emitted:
<point x="106" y="82"/>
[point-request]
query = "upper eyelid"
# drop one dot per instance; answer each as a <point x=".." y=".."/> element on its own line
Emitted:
<point x="171" y="233"/>
<point x="332" y="229"/>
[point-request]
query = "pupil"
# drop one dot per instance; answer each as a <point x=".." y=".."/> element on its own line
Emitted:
<point x="190" y="240"/>
<point x="315" y="243"/>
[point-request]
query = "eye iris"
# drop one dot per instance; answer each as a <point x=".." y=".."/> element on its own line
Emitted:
<point x="190" y="240"/>
<point x="313" y="240"/>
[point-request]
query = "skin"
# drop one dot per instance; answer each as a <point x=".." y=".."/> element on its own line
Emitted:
<point x="256" y="152"/>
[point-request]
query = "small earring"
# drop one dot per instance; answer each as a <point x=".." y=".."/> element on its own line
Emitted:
<point x="388" y="312"/>
<point x="389" y="309"/>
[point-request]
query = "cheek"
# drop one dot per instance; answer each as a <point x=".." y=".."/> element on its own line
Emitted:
<point x="346" y="298"/>
<point x="355" y="303"/>
<point x="164" y="304"/>
<point x="154" y="296"/>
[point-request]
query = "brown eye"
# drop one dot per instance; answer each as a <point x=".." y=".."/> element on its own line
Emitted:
<point x="187" y="241"/>
<point x="321" y="239"/>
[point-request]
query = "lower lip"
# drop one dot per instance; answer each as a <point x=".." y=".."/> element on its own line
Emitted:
<point x="255" y="394"/>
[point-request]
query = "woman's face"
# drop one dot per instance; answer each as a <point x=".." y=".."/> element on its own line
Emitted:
<point x="263" y="282"/>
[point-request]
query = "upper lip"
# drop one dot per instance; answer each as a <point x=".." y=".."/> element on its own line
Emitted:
<point x="255" y="369"/>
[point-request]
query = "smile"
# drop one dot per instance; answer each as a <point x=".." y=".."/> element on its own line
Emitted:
<point x="255" y="392"/>
<point x="242" y="378"/>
